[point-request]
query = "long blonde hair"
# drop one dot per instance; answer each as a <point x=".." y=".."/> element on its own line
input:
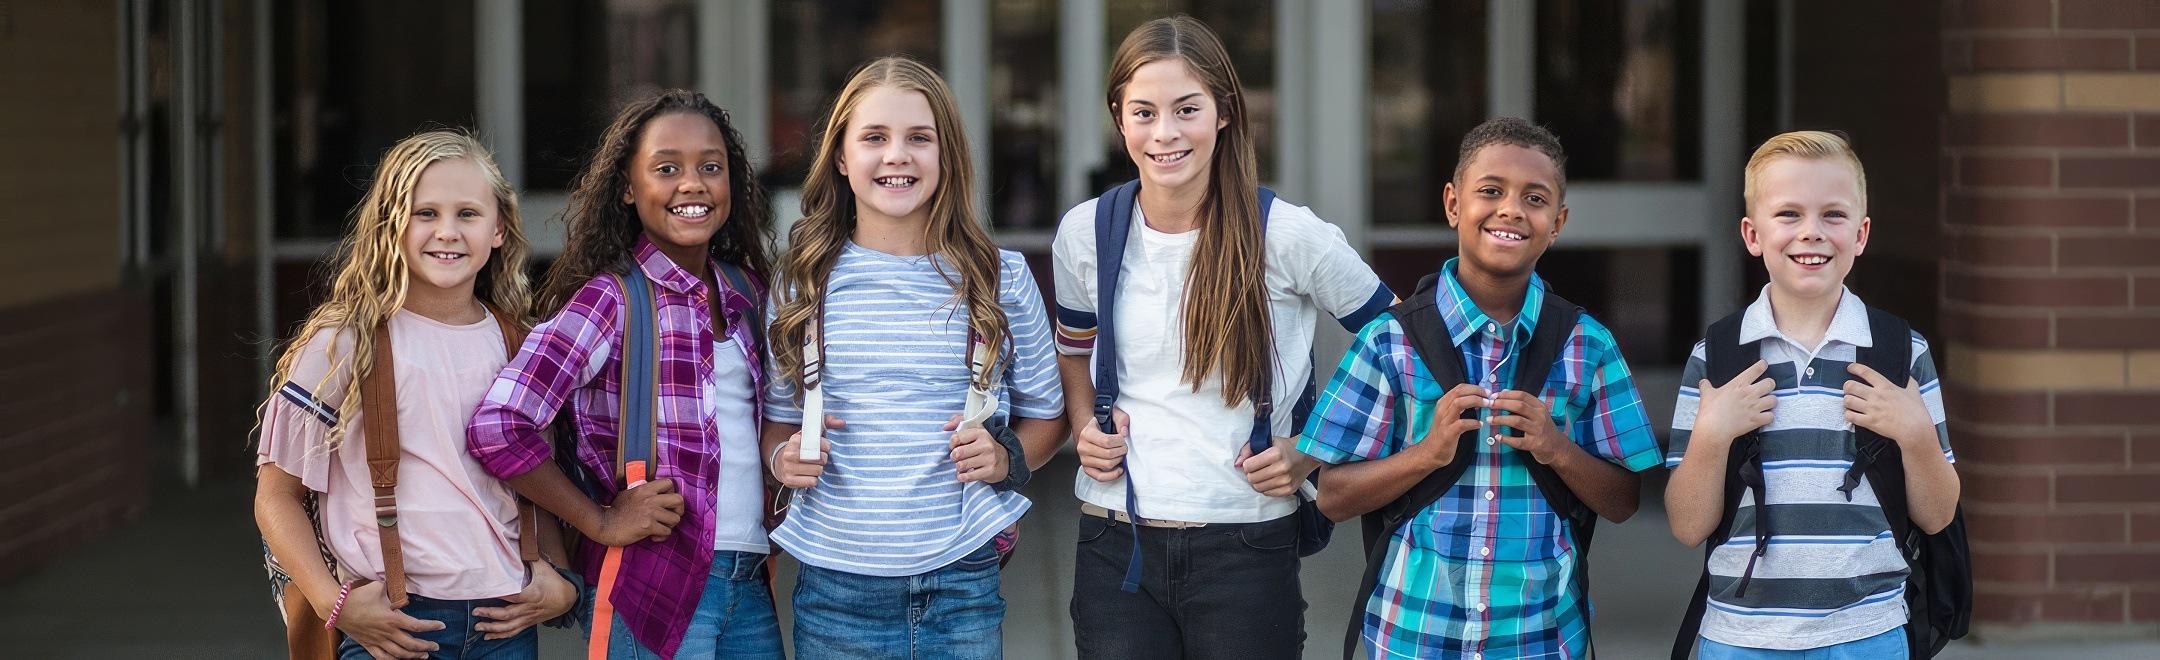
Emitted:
<point x="828" y="206"/>
<point x="371" y="274"/>
<point x="1226" y="312"/>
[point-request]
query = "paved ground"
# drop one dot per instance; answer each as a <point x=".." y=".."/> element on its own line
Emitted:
<point x="186" y="582"/>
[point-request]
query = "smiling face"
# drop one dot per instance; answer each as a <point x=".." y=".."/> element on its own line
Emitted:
<point x="889" y="155"/>
<point x="452" y="226"/>
<point x="1506" y="209"/>
<point x="679" y="184"/>
<point x="1807" y="224"/>
<point x="1170" y="123"/>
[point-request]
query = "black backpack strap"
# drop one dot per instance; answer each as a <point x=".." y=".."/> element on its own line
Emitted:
<point x="1556" y="322"/>
<point x="739" y="280"/>
<point x="1724" y="358"/>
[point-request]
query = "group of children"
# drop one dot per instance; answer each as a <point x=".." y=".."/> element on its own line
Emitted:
<point x="870" y="400"/>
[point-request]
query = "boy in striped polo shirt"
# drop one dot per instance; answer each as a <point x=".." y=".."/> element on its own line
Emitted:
<point x="1830" y="581"/>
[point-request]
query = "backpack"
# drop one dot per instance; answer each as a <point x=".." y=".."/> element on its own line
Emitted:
<point x="1938" y="591"/>
<point x="637" y="437"/>
<point x="1421" y="319"/>
<point x="1113" y="221"/>
<point x="305" y="633"/>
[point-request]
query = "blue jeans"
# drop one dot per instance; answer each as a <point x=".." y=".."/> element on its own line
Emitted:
<point x="458" y="639"/>
<point x="1886" y="646"/>
<point x="953" y="612"/>
<point x="734" y="617"/>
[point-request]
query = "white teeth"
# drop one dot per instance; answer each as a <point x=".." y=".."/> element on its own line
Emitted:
<point x="1812" y="259"/>
<point x="692" y="210"/>
<point x="1169" y="157"/>
<point x="895" y="181"/>
<point x="1507" y="235"/>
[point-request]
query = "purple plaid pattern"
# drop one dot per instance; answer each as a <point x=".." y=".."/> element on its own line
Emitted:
<point x="659" y="583"/>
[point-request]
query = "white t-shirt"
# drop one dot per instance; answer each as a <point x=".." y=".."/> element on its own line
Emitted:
<point x="1182" y="442"/>
<point x="738" y="523"/>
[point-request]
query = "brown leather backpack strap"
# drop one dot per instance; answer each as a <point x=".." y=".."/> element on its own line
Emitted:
<point x="378" y="414"/>
<point x="528" y="516"/>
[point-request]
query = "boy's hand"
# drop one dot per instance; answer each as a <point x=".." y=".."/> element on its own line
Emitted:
<point x="977" y="455"/>
<point x="1743" y="404"/>
<point x="1897" y="413"/>
<point x="383" y="632"/>
<point x="545" y="597"/>
<point x="1438" y="448"/>
<point x="791" y="470"/>
<point x="1533" y="418"/>
<point x="1275" y="472"/>
<point x="1101" y="453"/>
<point x="647" y="512"/>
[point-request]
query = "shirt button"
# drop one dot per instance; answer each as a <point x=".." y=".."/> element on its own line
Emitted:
<point x="1490" y="439"/>
<point x="1481" y="607"/>
<point x="1491" y="494"/>
<point x="1483" y="552"/>
<point x="1492" y="328"/>
<point x="1811" y="372"/>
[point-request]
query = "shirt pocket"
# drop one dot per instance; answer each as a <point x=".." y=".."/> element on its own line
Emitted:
<point x="1463" y="528"/>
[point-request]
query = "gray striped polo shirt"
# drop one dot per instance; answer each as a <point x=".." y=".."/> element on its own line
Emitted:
<point x="1832" y="574"/>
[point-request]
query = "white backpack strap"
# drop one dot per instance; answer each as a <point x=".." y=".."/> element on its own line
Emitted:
<point x="813" y="395"/>
<point x="980" y="404"/>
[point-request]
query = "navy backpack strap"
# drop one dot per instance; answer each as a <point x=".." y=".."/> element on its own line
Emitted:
<point x="638" y="431"/>
<point x="1724" y="357"/>
<point x="1263" y="435"/>
<point x="1113" y="224"/>
<point x="739" y="280"/>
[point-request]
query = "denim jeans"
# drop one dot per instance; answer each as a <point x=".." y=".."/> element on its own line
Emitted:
<point x="1226" y="590"/>
<point x="1886" y="646"/>
<point x="734" y="617"/>
<point x="954" y="612"/>
<point x="458" y="639"/>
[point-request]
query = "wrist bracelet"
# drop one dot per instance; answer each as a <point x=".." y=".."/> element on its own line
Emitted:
<point x="338" y="608"/>
<point x="770" y="467"/>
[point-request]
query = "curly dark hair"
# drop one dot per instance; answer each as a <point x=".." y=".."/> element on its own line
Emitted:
<point x="1512" y="131"/>
<point x="603" y="231"/>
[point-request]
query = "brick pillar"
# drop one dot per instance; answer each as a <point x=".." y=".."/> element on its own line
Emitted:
<point x="2051" y="308"/>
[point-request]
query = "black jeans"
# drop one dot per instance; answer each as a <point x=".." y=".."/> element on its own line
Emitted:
<point x="1219" y="591"/>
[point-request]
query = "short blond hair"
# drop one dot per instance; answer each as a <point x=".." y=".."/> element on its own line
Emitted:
<point x="1804" y="144"/>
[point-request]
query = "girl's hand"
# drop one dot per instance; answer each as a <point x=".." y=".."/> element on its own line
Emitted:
<point x="545" y="597"/>
<point x="1275" y="472"/>
<point x="978" y="456"/>
<point x="791" y="470"/>
<point x="647" y="512"/>
<point x="1101" y="454"/>
<point x="384" y="632"/>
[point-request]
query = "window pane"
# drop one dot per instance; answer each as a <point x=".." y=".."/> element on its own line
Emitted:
<point x="577" y="76"/>
<point x="1621" y="83"/>
<point x="1247" y="30"/>
<point x="350" y="78"/>
<point x="1428" y="88"/>
<point x="1024" y="113"/>
<point x="815" y="45"/>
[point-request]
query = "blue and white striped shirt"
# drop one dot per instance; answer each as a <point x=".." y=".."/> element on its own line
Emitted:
<point x="890" y="503"/>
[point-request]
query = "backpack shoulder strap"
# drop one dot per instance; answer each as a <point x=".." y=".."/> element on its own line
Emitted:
<point x="513" y="334"/>
<point x="378" y="412"/>
<point x="1724" y="357"/>
<point x="1556" y="322"/>
<point x="1875" y="456"/>
<point x="739" y="280"/>
<point x="1113" y="223"/>
<point x="638" y="433"/>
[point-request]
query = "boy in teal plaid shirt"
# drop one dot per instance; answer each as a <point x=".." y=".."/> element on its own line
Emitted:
<point x="1488" y="569"/>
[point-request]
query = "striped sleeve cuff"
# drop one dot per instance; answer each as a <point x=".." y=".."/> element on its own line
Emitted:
<point x="1075" y="331"/>
<point x="1378" y="302"/>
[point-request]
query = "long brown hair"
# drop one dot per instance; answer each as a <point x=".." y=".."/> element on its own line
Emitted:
<point x="369" y="263"/>
<point x="1226" y="312"/>
<point x="953" y="235"/>
<point x="603" y="231"/>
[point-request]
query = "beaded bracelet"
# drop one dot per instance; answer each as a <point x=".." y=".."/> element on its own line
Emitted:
<point x="338" y="608"/>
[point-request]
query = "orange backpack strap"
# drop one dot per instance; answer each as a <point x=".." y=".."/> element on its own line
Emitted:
<point x="378" y="414"/>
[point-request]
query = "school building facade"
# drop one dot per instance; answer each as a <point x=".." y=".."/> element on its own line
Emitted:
<point x="175" y="169"/>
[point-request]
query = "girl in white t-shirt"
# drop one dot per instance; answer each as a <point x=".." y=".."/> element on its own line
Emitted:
<point x="435" y="255"/>
<point x="1215" y="303"/>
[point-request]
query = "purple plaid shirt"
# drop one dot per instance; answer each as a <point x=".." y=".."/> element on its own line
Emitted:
<point x="659" y="583"/>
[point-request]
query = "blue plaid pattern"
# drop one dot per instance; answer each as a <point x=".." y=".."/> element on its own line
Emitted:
<point x="1487" y="569"/>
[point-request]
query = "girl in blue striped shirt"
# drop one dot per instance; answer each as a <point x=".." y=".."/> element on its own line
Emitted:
<point x="889" y="292"/>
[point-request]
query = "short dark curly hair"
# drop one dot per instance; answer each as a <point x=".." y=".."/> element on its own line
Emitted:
<point x="1512" y="131"/>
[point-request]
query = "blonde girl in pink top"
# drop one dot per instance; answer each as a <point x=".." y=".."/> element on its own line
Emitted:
<point x="436" y="250"/>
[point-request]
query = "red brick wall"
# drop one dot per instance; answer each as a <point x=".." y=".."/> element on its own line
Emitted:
<point x="75" y="392"/>
<point x="2051" y="305"/>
